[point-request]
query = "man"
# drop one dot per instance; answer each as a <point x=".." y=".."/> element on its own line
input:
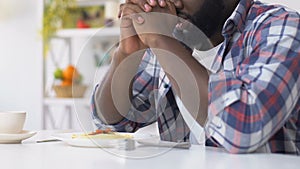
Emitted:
<point x="248" y="93"/>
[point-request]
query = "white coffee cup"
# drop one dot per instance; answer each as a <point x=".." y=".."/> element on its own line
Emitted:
<point x="12" y="122"/>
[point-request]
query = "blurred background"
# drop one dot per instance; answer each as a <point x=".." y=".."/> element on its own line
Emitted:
<point x="36" y="73"/>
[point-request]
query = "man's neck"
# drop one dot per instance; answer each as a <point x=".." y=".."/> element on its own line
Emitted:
<point x="216" y="38"/>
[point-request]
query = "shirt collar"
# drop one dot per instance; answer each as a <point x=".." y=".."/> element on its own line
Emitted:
<point x="235" y="22"/>
<point x="207" y="58"/>
<point x="237" y="19"/>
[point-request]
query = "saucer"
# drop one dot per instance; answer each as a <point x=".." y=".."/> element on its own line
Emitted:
<point x="16" y="138"/>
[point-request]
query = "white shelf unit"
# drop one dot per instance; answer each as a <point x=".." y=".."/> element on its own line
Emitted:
<point x="69" y="111"/>
<point x="69" y="105"/>
<point x="68" y="40"/>
<point x="64" y="101"/>
<point x="90" y="32"/>
<point x="94" y="2"/>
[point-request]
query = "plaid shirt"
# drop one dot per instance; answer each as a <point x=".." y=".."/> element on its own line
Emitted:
<point x="254" y="86"/>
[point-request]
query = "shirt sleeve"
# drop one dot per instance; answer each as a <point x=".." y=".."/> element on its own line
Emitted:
<point x="125" y="125"/>
<point x="249" y="105"/>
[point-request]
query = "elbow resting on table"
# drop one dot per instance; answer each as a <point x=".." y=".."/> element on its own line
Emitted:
<point x="241" y="150"/>
<point x="235" y="141"/>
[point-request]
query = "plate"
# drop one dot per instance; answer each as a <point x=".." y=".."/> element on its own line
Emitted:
<point x="97" y="142"/>
<point x="15" y="138"/>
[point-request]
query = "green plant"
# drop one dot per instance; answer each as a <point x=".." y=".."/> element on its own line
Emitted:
<point x="54" y="12"/>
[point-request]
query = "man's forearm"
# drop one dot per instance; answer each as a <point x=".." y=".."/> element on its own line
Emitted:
<point x="103" y="98"/>
<point x="189" y="79"/>
<point x="111" y="103"/>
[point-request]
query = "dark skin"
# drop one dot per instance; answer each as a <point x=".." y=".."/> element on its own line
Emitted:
<point x="190" y="7"/>
<point x="132" y="44"/>
<point x="148" y="5"/>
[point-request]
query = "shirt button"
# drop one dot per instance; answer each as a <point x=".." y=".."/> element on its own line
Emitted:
<point x="128" y="128"/>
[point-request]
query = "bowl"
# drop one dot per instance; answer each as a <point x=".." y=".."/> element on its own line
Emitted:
<point x="12" y="122"/>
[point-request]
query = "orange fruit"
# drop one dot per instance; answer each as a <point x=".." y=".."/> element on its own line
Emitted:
<point x="66" y="83"/>
<point x="69" y="73"/>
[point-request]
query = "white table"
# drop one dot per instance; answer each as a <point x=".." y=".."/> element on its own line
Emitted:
<point x="57" y="155"/>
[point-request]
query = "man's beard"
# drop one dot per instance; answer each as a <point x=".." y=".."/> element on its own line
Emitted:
<point x="209" y="17"/>
<point x="203" y="25"/>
